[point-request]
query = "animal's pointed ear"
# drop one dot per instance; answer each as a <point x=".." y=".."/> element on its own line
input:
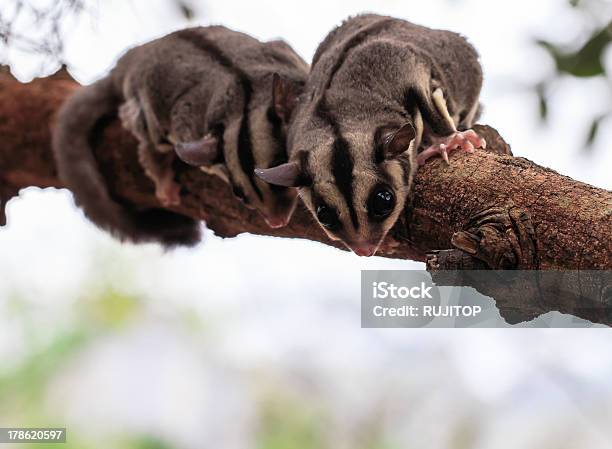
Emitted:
<point x="198" y="152"/>
<point x="285" y="95"/>
<point x="286" y="175"/>
<point x="399" y="141"/>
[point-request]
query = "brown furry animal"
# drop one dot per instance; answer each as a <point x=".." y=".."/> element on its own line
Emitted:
<point x="219" y="99"/>
<point x="380" y="90"/>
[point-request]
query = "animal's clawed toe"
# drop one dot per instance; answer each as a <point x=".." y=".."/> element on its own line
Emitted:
<point x="459" y="140"/>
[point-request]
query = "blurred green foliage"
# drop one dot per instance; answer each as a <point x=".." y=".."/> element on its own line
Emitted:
<point x="585" y="60"/>
<point x="112" y="308"/>
<point x="24" y="385"/>
<point x="286" y="420"/>
<point x="288" y="424"/>
<point x="147" y="442"/>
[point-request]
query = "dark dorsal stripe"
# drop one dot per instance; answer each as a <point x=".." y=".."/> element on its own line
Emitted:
<point x="245" y="147"/>
<point x="353" y="42"/>
<point x="342" y="170"/>
<point x="219" y="131"/>
<point x="321" y="108"/>
<point x="306" y="177"/>
<point x="278" y="135"/>
<point x="342" y="160"/>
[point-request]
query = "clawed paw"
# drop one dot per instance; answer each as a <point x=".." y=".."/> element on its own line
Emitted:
<point x="460" y="140"/>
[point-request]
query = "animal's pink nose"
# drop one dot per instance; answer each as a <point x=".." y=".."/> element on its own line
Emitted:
<point x="364" y="249"/>
<point x="277" y="222"/>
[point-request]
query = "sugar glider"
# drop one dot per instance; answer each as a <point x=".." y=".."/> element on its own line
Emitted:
<point x="383" y="95"/>
<point x="216" y="98"/>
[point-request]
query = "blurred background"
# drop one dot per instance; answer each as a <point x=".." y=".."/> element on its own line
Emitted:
<point x="255" y="342"/>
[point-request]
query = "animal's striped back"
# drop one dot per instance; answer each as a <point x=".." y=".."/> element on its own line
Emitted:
<point x="356" y="134"/>
<point x="254" y="135"/>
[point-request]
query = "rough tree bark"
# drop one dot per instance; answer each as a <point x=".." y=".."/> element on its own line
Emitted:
<point x="485" y="210"/>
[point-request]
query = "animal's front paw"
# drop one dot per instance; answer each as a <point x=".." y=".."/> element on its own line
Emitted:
<point x="459" y="140"/>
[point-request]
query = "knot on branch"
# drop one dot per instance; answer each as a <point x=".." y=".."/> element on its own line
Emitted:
<point x="503" y="237"/>
<point x="5" y="71"/>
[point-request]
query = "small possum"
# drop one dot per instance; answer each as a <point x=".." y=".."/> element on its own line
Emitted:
<point x="382" y="97"/>
<point x="216" y="98"/>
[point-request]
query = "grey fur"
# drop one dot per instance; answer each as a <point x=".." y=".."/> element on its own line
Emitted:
<point x="177" y="90"/>
<point x="369" y="77"/>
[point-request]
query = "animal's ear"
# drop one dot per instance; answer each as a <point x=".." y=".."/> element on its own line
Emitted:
<point x="286" y="175"/>
<point x="399" y="141"/>
<point x="285" y="95"/>
<point x="198" y="152"/>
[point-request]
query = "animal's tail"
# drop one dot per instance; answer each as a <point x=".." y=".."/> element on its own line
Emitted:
<point x="79" y="171"/>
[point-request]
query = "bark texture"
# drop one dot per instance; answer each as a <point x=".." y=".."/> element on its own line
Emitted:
<point x="490" y="209"/>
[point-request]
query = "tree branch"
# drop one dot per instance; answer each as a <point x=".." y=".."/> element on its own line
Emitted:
<point x="504" y="211"/>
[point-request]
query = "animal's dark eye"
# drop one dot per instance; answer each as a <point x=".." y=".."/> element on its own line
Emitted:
<point x="382" y="202"/>
<point x="328" y="217"/>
